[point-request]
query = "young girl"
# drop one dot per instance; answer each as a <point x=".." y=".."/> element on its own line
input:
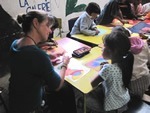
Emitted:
<point x="85" y="23"/>
<point x="140" y="76"/>
<point x="117" y="75"/>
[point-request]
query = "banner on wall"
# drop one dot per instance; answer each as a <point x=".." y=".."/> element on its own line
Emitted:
<point x="35" y="5"/>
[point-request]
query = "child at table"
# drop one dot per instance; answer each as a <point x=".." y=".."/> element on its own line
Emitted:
<point x="85" y="23"/>
<point x="117" y="75"/>
<point x="140" y="76"/>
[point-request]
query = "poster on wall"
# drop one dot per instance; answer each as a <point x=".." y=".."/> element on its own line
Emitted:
<point x="35" y="5"/>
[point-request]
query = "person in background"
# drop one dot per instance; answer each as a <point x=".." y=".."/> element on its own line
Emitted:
<point x="31" y="68"/>
<point x="140" y="80"/>
<point x="116" y="75"/>
<point x="136" y="7"/>
<point x="126" y="10"/>
<point x="55" y="25"/>
<point x="85" y="23"/>
<point x="139" y="9"/>
<point x="110" y="12"/>
<point x="145" y="8"/>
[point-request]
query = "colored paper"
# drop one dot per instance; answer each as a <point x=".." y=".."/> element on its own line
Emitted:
<point x="75" y="70"/>
<point x="102" y="32"/>
<point x="138" y="27"/>
<point x="95" y="64"/>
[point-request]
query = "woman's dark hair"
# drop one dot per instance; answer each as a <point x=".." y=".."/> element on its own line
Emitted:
<point x="119" y="46"/>
<point x="122" y="29"/>
<point x="27" y="19"/>
<point x="93" y="8"/>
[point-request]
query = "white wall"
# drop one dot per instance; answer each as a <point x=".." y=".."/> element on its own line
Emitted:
<point x="55" y="7"/>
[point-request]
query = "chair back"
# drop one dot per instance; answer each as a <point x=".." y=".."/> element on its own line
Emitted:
<point x="71" y="24"/>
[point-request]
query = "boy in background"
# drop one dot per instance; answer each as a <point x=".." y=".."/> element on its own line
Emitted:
<point x="85" y="23"/>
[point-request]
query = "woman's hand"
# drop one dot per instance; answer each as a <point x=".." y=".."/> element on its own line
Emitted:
<point x="66" y="59"/>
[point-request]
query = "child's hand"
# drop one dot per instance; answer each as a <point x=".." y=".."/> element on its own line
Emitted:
<point x="97" y="32"/>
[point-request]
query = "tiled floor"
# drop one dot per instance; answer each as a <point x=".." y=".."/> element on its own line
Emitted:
<point x="145" y="107"/>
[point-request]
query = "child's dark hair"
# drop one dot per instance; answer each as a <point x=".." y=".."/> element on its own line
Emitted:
<point x="122" y="29"/>
<point x="56" y="24"/>
<point x="93" y="8"/>
<point x="119" y="45"/>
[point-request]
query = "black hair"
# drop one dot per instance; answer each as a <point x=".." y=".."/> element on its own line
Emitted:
<point x="122" y="29"/>
<point x="119" y="45"/>
<point x="56" y="24"/>
<point x="26" y="19"/>
<point x="93" y="8"/>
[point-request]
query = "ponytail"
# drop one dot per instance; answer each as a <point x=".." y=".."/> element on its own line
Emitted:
<point x="126" y="66"/>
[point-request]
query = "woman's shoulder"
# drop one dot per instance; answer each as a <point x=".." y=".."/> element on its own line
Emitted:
<point x="36" y="52"/>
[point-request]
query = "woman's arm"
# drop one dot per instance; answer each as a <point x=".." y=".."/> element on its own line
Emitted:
<point x="66" y="60"/>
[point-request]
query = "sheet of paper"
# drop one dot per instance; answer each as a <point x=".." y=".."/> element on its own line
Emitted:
<point x="95" y="63"/>
<point x="75" y="70"/>
<point x="102" y="32"/>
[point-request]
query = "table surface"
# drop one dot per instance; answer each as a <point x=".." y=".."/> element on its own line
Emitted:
<point x="94" y="39"/>
<point x="103" y="31"/>
<point x="69" y="45"/>
<point x="84" y="83"/>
